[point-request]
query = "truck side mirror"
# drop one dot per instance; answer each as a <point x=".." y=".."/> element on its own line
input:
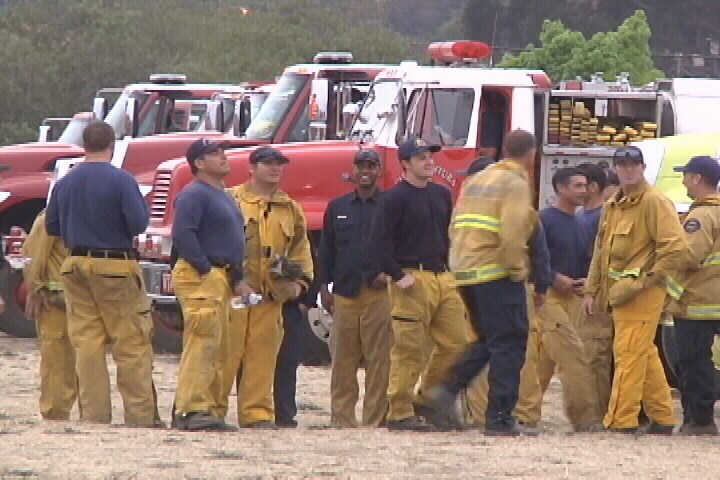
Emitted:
<point x="214" y="116"/>
<point x="243" y="116"/>
<point x="44" y="135"/>
<point x="131" y="118"/>
<point x="100" y="108"/>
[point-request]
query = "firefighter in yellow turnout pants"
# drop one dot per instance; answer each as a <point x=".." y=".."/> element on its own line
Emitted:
<point x="640" y="242"/>
<point x="46" y="305"/>
<point x="278" y="265"/>
<point x="97" y="209"/>
<point x="695" y="294"/>
<point x="208" y="240"/>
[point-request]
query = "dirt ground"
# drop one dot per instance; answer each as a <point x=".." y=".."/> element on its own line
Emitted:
<point x="33" y="448"/>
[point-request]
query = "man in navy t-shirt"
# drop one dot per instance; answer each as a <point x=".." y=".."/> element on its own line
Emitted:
<point x="560" y="343"/>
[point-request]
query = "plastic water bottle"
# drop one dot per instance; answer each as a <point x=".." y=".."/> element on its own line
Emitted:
<point x="240" y="302"/>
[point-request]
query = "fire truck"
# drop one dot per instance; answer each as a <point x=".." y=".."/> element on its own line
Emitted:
<point x="443" y="105"/>
<point x="165" y="104"/>
<point x="277" y="114"/>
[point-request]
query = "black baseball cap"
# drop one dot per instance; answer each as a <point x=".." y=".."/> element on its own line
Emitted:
<point x="202" y="146"/>
<point x="415" y="146"/>
<point x="629" y="152"/>
<point x="268" y="154"/>
<point x="367" y="156"/>
<point x="477" y="165"/>
<point x="704" y="165"/>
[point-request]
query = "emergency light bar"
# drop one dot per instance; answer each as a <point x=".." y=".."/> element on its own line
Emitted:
<point x="168" y="78"/>
<point x="333" y="58"/>
<point x="463" y="50"/>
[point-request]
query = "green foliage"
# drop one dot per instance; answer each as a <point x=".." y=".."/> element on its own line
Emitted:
<point x="565" y="54"/>
<point x="56" y="55"/>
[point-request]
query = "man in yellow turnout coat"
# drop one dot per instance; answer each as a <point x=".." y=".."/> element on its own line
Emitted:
<point x="695" y="297"/>
<point x="278" y="265"/>
<point x="640" y="243"/>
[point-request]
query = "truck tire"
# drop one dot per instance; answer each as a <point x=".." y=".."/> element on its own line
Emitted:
<point x="315" y="350"/>
<point x="167" y="337"/>
<point x="13" y="320"/>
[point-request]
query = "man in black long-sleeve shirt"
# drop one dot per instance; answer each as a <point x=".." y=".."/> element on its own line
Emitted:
<point x="411" y="244"/>
<point x="97" y="209"/>
<point x="360" y="304"/>
<point x="209" y="240"/>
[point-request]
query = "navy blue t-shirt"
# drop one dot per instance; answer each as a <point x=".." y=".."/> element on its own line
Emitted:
<point x="567" y="241"/>
<point x="97" y="206"/>
<point x="590" y="220"/>
<point x="208" y="227"/>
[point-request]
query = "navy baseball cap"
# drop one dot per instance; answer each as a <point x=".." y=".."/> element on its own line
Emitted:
<point x="703" y="165"/>
<point x="367" y="156"/>
<point x="629" y="152"/>
<point x="415" y="146"/>
<point x="202" y="146"/>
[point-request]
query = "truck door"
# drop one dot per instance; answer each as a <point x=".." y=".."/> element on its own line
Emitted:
<point x="443" y="116"/>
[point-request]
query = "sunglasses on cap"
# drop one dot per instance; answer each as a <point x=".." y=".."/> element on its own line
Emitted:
<point x="628" y="154"/>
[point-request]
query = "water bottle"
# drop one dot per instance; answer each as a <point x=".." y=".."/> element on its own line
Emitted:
<point x="240" y="302"/>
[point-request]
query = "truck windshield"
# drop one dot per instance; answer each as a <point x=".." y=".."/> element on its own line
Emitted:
<point x="381" y="103"/>
<point x="275" y="109"/>
<point x="72" y="134"/>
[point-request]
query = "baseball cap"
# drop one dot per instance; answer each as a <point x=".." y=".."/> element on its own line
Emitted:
<point x="704" y="165"/>
<point x="367" y="156"/>
<point x="477" y="165"/>
<point x="415" y="146"/>
<point x="268" y="154"/>
<point x="202" y="146"/>
<point x="628" y="152"/>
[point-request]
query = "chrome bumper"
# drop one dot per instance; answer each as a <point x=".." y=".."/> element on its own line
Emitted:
<point x="157" y="282"/>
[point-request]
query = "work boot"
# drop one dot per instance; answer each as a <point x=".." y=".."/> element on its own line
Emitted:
<point x="508" y="428"/>
<point x="444" y="412"/>
<point x="692" y="429"/>
<point x="200" y="421"/>
<point x="262" y="425"/>
<point x="411" y="424"/>
<point x="658" y="429"/>
<point x="286" y="423"/>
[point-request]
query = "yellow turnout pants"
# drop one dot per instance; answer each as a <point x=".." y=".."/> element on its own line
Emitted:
<point x="639" y="375"/>
<point x="361" y="330"/>
<point x="58" y="382"/>
<point x="103" y="298"/>
<point x="205" y="303"/>
<point x="430" y="307"/>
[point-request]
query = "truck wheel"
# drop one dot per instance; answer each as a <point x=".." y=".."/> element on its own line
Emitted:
<point x="315" y="338"/>
<point x="12" y="290"/>
<point x="167" y="321"/>
<point x="665" y="341"/>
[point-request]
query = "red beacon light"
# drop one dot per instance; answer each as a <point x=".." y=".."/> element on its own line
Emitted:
<point x="460" y="51"/>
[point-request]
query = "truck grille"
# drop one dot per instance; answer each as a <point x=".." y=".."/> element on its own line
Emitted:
<point x="161" y="187"/>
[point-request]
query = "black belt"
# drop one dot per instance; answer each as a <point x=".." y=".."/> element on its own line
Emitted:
<point x="115" y="254"/>
<point x="214" y="262"/>
<point x="429" y="267"/>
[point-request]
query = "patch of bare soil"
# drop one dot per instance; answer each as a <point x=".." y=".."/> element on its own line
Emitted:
<point x="33" y="448"/>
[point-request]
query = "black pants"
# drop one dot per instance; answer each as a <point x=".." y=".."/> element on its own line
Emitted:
<point x="697" y="373"/>
<point x="288" y="360"/>
<point x="498" y="312"/>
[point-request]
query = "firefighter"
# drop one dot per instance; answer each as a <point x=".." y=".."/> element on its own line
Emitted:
<point x="560" y="342"/>
<point x="694" y="293"/>
<point x="45" y="305"/>
<point x="491" y="227"/>
<point x="97" y="209"/>
<point x="360" y="303"/>
<point x="208" y="242"/>
<point x="277" y="265"/>
<point x="409" y="242"/>
<point x="639" y="243"/>
<point x="596" y="333"/>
